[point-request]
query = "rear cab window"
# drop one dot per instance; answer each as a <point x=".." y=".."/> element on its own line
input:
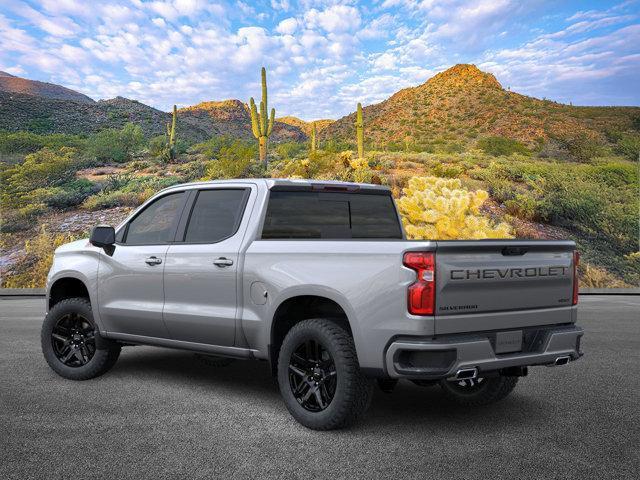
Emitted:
<point x="306" y="214"/>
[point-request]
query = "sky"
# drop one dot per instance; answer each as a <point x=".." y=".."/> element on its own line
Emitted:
<point x="322" y="57"/>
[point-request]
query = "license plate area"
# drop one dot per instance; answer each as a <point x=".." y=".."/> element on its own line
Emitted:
<point x="508" y="342"/>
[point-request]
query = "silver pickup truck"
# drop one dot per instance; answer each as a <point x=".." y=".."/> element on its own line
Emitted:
<point x="317" y="279"/>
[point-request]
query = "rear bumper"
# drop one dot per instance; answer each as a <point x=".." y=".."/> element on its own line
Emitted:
<point x="442" y="357"/>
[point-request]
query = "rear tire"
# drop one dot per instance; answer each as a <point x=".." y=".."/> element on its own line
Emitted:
<point x="319" y="376"/>
<point x="71" y="342"/>
<point x="481" y="391"/>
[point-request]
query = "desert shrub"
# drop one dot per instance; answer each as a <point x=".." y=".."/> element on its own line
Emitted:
<point x="115" y="199"/>
<point x="447" y="171"/>
<point x="39" y="256"/>
<point x="523" y="206"/>
<point x="157" y="145"/>
<point x="43" y="169"/>
<point x="599" y="201"/>
<point x="212" y="147"/>
<point x="116" y="145"/>
<point x="594" y="277"/>
<point x="40" y="125"/>
<point x="116" y="182"/>
<point x="28" y="142"/>
<point x="629" y="146"/>
<point x="436" y="208"/>
<point x="498" y="146"/>
<point x="319" y="164"/>
<point x="232" y="160"/>
<point x="22" y="218"/>
<point x="191" y="171"/>
<point x="581" y="146"/>
<point x="289" y="150"/>
<point x="336" y="146"/>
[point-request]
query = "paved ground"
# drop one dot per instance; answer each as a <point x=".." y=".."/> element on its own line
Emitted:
<point x="162" y="414"/>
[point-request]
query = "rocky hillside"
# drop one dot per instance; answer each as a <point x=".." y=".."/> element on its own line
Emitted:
<point x="46" y="108"/>
<point x="305" y="126"/>
<point x="19" y="111"/>
<point x="12" y="84"/>
<point x="464" y="103"/>
<point x="232" y="118"/>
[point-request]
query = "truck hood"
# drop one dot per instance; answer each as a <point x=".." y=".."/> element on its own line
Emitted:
<point x="77" y="246"/>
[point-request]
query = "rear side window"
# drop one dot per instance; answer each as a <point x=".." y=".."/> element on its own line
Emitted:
<point x="216" y="215"/>
<point x="328" y="215"/>
<point x="155" y="224"/>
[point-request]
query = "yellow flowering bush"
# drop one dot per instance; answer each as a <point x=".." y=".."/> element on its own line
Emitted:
<point x="441" y="209"/>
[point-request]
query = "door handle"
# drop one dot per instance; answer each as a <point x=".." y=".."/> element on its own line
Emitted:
<point x="223" y="262"/>
<point x="153" y="261"/>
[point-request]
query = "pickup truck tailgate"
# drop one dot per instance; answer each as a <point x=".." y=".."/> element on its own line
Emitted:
<point x="503" y="284"/>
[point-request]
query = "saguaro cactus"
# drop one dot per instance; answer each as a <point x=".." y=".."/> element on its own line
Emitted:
<point x="260" y="124"/>
<point x="314" y="137"/>
<point x="360" y="132"/>
<point x="171" y="136"/>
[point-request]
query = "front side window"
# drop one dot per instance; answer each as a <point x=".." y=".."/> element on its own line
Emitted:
<point x="156" y="222"/>
<point x="216" y="215"/>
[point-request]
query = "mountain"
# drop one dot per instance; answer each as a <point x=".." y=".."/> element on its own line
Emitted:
<point x="305" y="126"/>
<point x="48" y="108"/>
<point x="464" y="103"/>
<point x="232" y="118"/>
<point x="19" y="111"/>
<point x="16" y="85"/>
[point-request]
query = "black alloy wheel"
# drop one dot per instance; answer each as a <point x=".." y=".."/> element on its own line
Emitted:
<point x="73" y="340"/>
<point x="312" y="376"/>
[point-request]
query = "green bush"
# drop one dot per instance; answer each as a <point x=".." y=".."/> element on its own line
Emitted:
<point x="70" y="194"/>
<point x="113" y="199"/>
<point x="629" y="146"/>
<point x="44" y="169"/>
<point x="289" y="150"/>
<point x="581" y="146"/>
<point x="212" y="147"/>
<point x="16" y="220"/>
<point x="157" y="145"/>
<point x="116" y="145"/>
<point x="447" y="171"/>
<point x="28" y="142"/>
<point x="498" y="146"/>
<point x="233" y="160"/>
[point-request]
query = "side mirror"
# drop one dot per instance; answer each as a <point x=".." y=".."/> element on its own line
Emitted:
<point x="103" y="236"/>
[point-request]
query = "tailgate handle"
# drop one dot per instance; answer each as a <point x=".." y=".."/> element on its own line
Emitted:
<point x="513" y="251"/>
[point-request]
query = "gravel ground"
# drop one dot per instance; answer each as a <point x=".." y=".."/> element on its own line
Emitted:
<point x="163" y="414"/>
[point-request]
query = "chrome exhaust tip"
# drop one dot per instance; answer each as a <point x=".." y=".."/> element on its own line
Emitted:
<point x="466" y="373"/>
<point x="562" y="360"/>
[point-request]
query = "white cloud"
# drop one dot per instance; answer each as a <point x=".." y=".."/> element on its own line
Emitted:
<point x="287" y="26"/>
<point x="335" y="19"/>
<point x="56" y="26"/>
<point x="280" y="5"/>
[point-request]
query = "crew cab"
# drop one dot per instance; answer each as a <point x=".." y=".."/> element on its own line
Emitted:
<point x="318" y="279"/>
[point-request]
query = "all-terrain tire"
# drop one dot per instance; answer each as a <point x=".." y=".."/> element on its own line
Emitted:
<point x="353" y="391"/>
<point x="490" y="390"/>
<point x="104" y="355"/>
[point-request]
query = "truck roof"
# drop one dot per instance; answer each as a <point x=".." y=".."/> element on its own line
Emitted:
<point x="287" y="182"/>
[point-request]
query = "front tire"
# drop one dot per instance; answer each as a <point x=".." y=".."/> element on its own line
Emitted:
<point x="71" y="343"/>
<point x="478" y="391"/>
<point x="319" y="376"/>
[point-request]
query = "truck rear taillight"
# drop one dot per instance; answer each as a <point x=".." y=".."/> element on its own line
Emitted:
<point x="576" y="261"/>
<point x="421" y="295"/>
